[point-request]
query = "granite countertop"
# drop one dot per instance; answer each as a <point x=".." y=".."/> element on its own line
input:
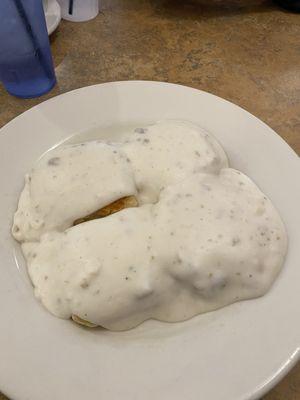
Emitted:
<point x="246" y="51"/>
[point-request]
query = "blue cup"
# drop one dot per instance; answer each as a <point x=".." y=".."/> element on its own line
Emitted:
<point x="26" y="66"/>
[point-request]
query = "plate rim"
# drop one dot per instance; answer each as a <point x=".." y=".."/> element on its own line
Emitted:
<point x="146" y="81"/>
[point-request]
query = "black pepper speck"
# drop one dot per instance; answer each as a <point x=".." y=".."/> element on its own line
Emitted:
<point x="54" y="161"/>
<point x="140" y="130"/>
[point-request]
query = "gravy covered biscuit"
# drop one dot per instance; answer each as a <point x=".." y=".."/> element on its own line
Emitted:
<point x="169" y="151"/>
<point x="211" y="240"/>
<point x="99" y="270"/>
<point x="68" y="183"/>
<point x="155" y="226"/>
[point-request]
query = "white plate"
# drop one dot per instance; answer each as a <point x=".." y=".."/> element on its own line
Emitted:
<point x="52" y="14"/>
<point x="236" y="353"/>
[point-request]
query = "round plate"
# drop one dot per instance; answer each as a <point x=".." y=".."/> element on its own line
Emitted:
<point x="236" y="353"/>
<point x="52" y="14"/>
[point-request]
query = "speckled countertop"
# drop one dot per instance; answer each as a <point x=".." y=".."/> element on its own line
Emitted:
<point x="247" y="51"/>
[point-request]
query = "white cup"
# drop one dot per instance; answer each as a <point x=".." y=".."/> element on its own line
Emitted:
<point x="79" y="10"/>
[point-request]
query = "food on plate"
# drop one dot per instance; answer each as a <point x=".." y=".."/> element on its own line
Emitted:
<point x="68" y="183"/>
<point x="83" y="322"/>
<point x="165" y="230"/>
<point x="167" y="152"/>
<point x="118" y="205"/>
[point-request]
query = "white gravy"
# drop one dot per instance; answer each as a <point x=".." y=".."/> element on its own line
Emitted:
<point x="204" y="235"/>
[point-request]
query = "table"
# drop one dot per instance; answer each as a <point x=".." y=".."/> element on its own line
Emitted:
<point x="246" y="51"/>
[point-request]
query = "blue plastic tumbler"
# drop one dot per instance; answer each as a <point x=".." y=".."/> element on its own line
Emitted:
<point x="26" y="66"/>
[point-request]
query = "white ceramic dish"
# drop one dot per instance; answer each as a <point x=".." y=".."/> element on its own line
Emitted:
<point x="236" y="353"/>
<point x="52" y="14"/>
